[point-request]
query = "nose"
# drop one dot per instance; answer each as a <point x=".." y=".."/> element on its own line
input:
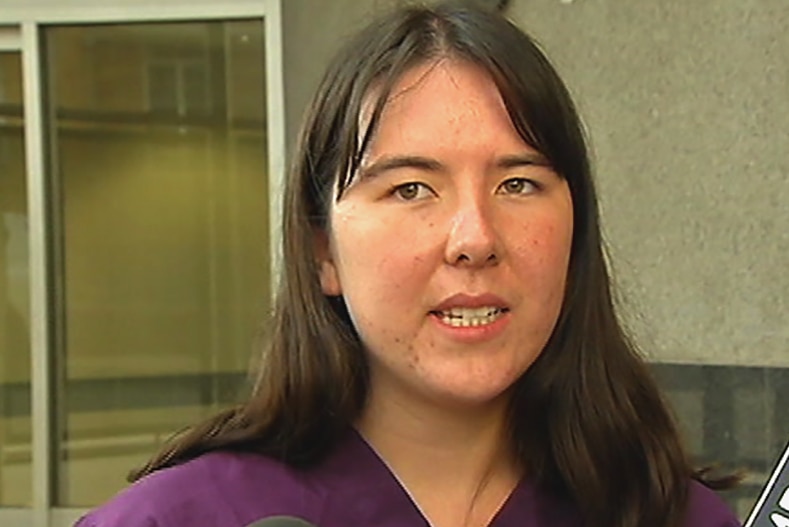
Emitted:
<point x="473" y="238"/>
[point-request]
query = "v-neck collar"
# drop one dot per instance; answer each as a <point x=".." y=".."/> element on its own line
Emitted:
<point x="360" y="489"/>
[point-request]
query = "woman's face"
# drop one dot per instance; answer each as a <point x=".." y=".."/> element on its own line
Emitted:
<point x="451" y="245"/>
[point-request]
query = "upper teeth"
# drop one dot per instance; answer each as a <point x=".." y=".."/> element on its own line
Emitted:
<point x="470" y="316"/>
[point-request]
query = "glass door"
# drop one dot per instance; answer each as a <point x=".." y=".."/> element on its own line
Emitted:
<point x="15" y="422"/>
<point x="136" y="229"/>
<point x="160" y="178"/>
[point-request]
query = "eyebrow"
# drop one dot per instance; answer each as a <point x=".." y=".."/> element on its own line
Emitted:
<point x="394" y="162"/>
<point x="522" y="160"/>
<point x="432" y="165"/>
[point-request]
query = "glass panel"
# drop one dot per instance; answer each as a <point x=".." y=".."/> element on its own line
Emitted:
<point x="160" y="158"/>
<point x="15" y="427"/>
<point x="733" y="417"/>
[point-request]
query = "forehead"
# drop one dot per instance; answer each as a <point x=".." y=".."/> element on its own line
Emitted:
<point x="444" y="97"/>
<point x="436" y="84"/>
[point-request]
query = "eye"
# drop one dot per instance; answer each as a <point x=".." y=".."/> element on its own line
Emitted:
<point x="518" y="185"/>
<point x="411" y="191"/>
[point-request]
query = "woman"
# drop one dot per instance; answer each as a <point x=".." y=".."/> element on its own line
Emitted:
<point x="444" y="349"/>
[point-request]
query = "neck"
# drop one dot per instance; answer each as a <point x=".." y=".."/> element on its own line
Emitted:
<point x="476" y="433"/>
<point x="471" y="467"/>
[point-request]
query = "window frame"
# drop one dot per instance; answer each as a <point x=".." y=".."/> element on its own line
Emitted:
<point x="22" y="23"/>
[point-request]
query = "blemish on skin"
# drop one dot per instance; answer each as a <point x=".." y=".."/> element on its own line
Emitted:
<point x="413" y="361"/>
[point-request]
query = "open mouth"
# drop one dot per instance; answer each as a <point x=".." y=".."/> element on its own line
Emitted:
<point x="463" y="317"/>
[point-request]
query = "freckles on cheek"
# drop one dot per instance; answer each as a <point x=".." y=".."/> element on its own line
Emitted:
<point x="388" y="273"/>
<point x="399" y="270"/>
<point x="546" y="243"/>
<point x="413" y="359"/>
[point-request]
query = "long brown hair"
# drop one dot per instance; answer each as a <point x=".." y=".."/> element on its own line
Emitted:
<point x="586" y="408"/>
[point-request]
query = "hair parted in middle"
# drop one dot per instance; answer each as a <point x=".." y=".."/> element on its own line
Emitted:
<point x="586" y="405"/>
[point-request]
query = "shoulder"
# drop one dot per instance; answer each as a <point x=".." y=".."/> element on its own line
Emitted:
<point x="215" y="489"/>
<point x="707" y="509"/>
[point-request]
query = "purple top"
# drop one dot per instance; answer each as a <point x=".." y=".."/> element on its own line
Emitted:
<point x="351" y="487"/>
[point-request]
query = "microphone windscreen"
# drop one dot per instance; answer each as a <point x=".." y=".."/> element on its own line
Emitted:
<point x="281" y="521"/>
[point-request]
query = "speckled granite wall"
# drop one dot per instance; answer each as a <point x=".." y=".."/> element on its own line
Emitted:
<point x="313" y="30"/>
<point x="687" y="105"/>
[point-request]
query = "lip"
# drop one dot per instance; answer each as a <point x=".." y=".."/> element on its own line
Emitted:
<point x="471" y="335"/>
<point x="471" y="301"/>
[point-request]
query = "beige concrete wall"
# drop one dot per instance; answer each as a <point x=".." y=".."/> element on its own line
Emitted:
<point x="688" y="110"/>
<point x="312" y="31"/>
<point x="687" y="104"/>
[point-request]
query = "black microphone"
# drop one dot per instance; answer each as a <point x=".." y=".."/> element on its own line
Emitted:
<point x="772" y="507"/>
<point x="281" y="521"/>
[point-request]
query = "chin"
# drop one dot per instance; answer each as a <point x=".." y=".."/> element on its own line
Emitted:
<point x="476" y="394"/>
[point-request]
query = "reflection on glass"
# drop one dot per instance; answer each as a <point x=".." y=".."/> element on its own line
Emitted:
<point x="160" y="157"/>
<point x="15" y="431"/>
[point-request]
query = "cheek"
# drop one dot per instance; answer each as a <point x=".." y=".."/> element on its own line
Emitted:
<point x="546" y="244"/>
<point x="385" y="248"/>
<point x="400" y="276"/>
<point x="377" y="273"/>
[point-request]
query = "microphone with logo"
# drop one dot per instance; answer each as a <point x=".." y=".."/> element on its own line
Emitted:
<point x="281" y="521"/>
<point x="772" y="507"/>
